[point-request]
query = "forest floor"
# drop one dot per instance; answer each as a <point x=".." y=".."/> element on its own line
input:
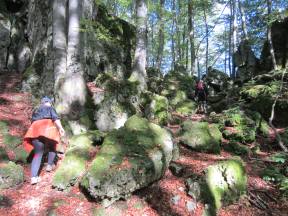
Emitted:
<point x="165" y="197"/>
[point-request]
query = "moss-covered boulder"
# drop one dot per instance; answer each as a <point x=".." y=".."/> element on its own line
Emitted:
<point x="187" y="107"/>
<point x="201" y="136"/>
<point x="236" y="148"/>
<point x="11" y="175"/>
<point x="157" y="110"/>
<point x="76" y="157"/>
<point x="117" y="102"/>
<point x="131" y="158"/>
<point x="240" y="125"/>
<point x="224" y="183"/>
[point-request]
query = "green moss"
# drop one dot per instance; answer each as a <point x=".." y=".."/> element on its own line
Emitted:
<point x="20" y="155"/>
<point x="28" y="72"/>
<point x="186" y="107"/>
<point x="243" y="126"/>
<point x="199" y="136"/>
<point x="225" y="183"/>
<point x="11" y="175"/>
<point x="237" y="148"/>
<point x="179" y="97"/>
<point x="158" y="110"/>
<point x="11" y="142"/>
<point x="75" y="159"/>
<point x="3" y="155"/>
<point x="4" y="127"/>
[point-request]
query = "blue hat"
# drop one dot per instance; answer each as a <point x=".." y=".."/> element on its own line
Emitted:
<point x="46" y="99"/>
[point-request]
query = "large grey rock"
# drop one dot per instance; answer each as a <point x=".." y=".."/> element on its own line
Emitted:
<point x="5" y="27"/>
<point x="217" y="81"/>
<point x="245" y="61"/>
<point x="279" y="34"/>
<point x="131" y="158"/>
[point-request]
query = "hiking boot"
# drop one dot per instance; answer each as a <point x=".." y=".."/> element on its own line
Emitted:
<point x="35" y="180"/>
<point x="49" y="167"/>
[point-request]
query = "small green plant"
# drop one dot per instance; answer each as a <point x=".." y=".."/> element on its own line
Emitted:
<point x="278" y="173"/>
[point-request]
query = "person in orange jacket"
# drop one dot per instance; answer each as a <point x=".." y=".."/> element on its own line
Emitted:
<point x="45" y="131"/>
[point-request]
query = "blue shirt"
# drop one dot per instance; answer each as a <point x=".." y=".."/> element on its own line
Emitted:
<point x="45" y="112"/>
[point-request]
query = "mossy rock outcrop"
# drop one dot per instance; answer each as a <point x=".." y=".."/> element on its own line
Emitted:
<point x="130" y="158"/>
<point x="259" y="95"/>
<point x="225" y="182"/>
<point x="201" y="136"/>
<point x="157" y="110"/>
<point x="117" y="103"/>
<point x="11" y="175"/>
<point x="241" y="125"/>
<point x="74" y="163"/>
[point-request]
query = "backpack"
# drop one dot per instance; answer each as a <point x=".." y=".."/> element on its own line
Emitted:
<point x="200" y="86"/>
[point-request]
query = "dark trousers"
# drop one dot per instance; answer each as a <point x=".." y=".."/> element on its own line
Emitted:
<point x="39" y="148"/>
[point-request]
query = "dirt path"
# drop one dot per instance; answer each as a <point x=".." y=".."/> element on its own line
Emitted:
<point x="166" y="197"/>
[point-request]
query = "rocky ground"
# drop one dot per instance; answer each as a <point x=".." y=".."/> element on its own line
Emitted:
<point x="165" y="197"/>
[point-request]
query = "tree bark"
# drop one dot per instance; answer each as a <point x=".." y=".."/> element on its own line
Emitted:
<point x="243" y="20"/>
<point x="172" y="37"/>
<point x="191" y="36"/>
<point x="72" y="93"/>
<point x="207" y="40"/>
<point x="139" y="70"/>
<point x="178" y="35"/>
<point x="59" y="46"/>
<point x="269" y="37"/>
<point x="161" y="36"/>
<point x="234" y="34"/>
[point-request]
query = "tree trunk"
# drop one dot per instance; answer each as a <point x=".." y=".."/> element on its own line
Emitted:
<point x="161" y="35"/>
<point x="230" y="40"/>
<point x="234" y="34"/>
<point x="191" y="36"/>
<point x="72" y="93"/>
<point x="243" y="20"/>
<point x="178" y="35"/>
<point x="269" y="37"/>
<point x="139" y="70"/>
<point x="172" y="37"/>
<point x="59" y="46"/>
<point x="207" y="40"/>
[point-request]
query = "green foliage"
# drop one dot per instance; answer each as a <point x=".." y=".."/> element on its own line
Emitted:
<point x="11" y="142"/>
<point x="11" y="175"/>
<point x="279" y="173"/>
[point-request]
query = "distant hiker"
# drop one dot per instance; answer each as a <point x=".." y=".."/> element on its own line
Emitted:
<point x="201" y="93"/>
<point x="45" y="131"/>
